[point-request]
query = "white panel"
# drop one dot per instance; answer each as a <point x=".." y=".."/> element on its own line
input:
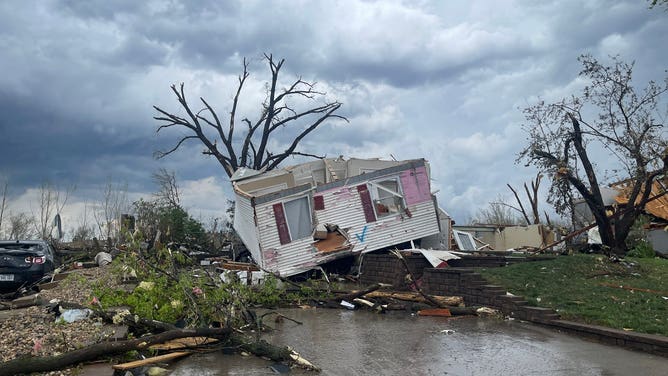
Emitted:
<point x="244" y="224"/>
<point x="343" y="207"/>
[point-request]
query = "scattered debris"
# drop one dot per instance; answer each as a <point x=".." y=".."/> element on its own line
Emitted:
<point x="347" y="304"/>
<point x="72" y="315"/>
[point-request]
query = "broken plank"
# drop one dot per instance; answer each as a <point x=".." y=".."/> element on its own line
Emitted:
<point x="441" y="312"/>
<point x="182" y="343"/>
<point x="155" y="359"/>
<point x="616" y="286"/>
<point x="416" y="297"/>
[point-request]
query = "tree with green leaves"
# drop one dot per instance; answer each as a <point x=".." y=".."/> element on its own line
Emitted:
<point x="621" y="122"/>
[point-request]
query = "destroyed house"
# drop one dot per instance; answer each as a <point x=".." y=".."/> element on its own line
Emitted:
<point x="297" y="218"/>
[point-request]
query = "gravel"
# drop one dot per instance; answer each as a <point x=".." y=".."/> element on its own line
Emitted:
<point x="36" y="332"/>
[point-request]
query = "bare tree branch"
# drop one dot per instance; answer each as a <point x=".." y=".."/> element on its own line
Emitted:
<point x="250" y="148"/>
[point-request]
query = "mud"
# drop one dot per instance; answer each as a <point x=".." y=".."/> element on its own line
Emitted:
<point x="359" y="343"/>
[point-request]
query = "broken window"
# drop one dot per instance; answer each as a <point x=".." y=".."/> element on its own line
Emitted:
<point x="464" y="240"/>
<point x="387" y="197"/>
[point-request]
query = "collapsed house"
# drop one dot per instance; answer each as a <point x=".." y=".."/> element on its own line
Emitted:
<point x="615" y="198"/>
<point x="480" y="237"/>
<point x="294" y="219"/>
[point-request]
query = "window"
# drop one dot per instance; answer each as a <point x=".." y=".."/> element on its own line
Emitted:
<point x="387" y="197"/>
<point x="464" y="240"/>
<point x="293" y="219"/>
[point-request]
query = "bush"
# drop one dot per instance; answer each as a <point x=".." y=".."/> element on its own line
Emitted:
<point x="643" y="249"/>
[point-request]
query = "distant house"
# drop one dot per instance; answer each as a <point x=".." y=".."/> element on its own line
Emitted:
<point x="296" y="218"/>
<point x="502" y="237"/>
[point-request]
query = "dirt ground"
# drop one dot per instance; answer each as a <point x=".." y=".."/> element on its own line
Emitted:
<point x="34" y="331"/>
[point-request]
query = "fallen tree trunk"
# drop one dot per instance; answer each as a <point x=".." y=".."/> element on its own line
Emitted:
<point x="102" y="349"/>
<point x="427" y="297"/>
<point x="358" y="294"/>
<point x="444" y="301"/>
<point x="22" y="302"/>
<point x="138" y="324"/>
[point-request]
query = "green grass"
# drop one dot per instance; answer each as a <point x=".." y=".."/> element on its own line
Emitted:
<point x="579" y="288"/>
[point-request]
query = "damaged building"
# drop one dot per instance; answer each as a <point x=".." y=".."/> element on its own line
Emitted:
<point x="294" y="219"/>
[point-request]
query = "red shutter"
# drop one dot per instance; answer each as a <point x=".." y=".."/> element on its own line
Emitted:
<point x="318" y="203"/>
<point x="367" y="205"/>
<point x="281" y="224"/>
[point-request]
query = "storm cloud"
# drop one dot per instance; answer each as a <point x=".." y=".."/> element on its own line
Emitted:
<point x="439" y="80"/>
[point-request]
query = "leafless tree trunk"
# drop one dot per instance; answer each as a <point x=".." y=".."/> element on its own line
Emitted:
<point x="114" y="201"/>
<point x="250" y="146"/>
<point x="3" y="205"/>
<point x="84" y="231"/>
<point x="168" y="189"/>
<point x="498" y="213"/>
<point x="21" y="226"/>
<point x="532" y="195"/>
<point x="50" y="203"/>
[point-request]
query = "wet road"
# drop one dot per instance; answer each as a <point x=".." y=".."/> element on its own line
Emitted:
<point x="364" y="343"/>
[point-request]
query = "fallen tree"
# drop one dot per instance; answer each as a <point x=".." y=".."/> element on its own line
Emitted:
<point x="103" y="349"/>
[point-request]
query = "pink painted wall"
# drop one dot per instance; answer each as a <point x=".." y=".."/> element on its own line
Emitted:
<point x="415" y="184"/>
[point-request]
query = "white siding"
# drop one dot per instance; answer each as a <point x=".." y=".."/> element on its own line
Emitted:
<point x="343" y="207"/>
<point x="244" y="224"/>
<point x="288" y="259"/>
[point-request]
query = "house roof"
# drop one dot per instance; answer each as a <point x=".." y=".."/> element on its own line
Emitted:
<point x="657" y="207"/>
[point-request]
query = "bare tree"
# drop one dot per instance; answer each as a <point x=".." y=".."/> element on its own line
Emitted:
<point x="3" y="205"/>
<point x="112" y="204"/>
<point x="168" y="189"/>
<point x="21" y="226"/>
<point x="51" y="202"/>
<point x="498" y="213"/>
<point x="84" y="230"/>
<point x="532" y="195"/>
<point x="626" y="127"/>
<point x="251" y="147"/>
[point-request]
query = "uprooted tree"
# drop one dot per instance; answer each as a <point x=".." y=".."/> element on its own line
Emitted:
<point x="565" y="135"/>
<point x="282" y="108"/>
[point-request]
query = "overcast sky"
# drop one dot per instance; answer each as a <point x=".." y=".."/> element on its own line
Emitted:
<point x="441" y="80"/>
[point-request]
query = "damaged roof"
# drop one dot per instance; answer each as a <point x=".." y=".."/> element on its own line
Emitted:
<point x="319" y="174"/>
<point x="658" y="207"/>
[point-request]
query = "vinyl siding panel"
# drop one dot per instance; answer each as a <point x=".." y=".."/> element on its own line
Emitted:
<point x="244" y="224"/>
<point x="343" y="207"/>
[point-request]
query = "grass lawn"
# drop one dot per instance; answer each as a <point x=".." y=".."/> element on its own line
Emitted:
<point x="590" y="289"/>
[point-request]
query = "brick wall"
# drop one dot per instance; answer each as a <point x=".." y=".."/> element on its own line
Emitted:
<point x="476" y="291"/>
<point x="387" y="268"/>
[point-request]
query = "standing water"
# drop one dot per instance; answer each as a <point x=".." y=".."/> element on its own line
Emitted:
<point x="398" y="343"/>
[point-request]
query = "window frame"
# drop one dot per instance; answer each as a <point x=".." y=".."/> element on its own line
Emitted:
<point x="287" y="219"/>
<point x="374" y="188"/>
<point x="460" y="245"/>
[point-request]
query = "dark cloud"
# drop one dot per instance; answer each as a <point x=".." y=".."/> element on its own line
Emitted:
<point x="443" y="80"/>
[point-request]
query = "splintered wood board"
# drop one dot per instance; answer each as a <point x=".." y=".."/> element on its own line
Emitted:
<point x="155" y="359"/>
<point x="182" y="343"/>
<point x="442" y="312"/>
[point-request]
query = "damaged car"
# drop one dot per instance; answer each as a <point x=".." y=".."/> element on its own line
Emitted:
<point x="23" y="263"/>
